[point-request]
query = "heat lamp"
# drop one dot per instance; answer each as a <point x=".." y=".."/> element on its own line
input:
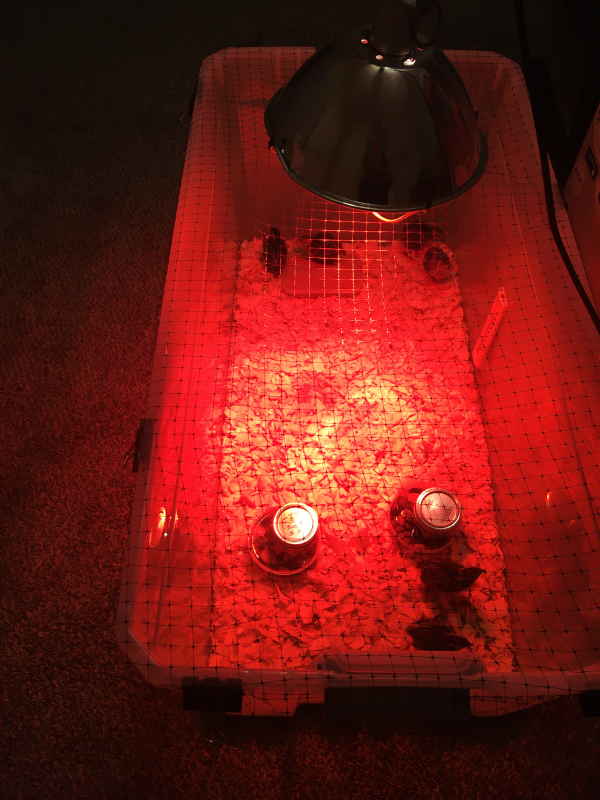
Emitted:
<point x="380" y="120"/>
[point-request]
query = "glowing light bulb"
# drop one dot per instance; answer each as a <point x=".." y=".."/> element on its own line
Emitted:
<point x="394" y="219"/>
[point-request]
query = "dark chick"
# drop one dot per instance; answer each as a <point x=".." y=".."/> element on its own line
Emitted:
<point x="325" y="248"/>
<point x="438" y="263"/>
<point x="447" y="576"/>
<point x="274" y="252"/>
<point x="431" y="635"/>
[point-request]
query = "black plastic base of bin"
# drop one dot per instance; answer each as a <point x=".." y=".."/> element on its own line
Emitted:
<point x="402" y="702"/>
<point x="212" y="695"/>
<point x="590" y="703"/>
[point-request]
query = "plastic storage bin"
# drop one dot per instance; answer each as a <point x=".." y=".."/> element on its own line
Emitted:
<point x="337" y="380"/>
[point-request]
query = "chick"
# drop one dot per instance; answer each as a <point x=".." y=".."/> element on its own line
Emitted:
<point x="428" y="634"/>
<point x="447" y="576"/>
<point x="325" y="248"/>
<point x="439" y="262"/>
<point x="274" y="252"/>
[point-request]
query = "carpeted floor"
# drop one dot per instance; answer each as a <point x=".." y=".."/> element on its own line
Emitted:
<point x="92" y="151"/>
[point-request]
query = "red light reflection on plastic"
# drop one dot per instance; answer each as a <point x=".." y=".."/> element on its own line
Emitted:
<point x="165" y="524"/>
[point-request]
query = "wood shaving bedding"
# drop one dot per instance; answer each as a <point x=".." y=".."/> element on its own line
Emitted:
<point x="337" y="402"/>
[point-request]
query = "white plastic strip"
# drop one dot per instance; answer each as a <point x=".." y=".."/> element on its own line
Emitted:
<point x="490" y="327"/>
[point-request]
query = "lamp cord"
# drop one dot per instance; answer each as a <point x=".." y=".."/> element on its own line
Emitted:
<point x="547" y="180"/>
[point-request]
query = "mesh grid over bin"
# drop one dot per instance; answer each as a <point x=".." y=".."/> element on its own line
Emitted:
<point x="313" y="354"/>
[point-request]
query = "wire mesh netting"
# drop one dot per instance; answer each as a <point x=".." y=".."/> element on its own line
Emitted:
<point x="371" y="452"/>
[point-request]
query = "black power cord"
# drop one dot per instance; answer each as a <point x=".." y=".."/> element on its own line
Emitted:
<point x="549" y="194"/>
<point x="591" y="309"/>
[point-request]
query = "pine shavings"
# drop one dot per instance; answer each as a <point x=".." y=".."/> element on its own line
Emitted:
<point x="334" y="401"/>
